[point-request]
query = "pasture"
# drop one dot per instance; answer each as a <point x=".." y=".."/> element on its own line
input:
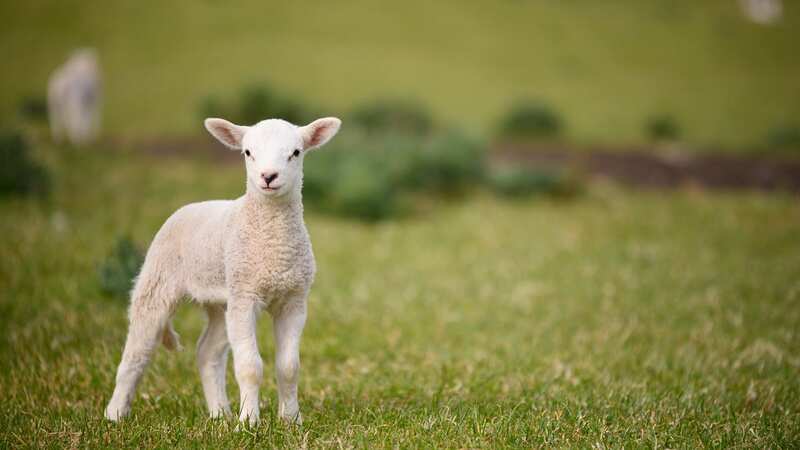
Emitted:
<point x="613" y="319"/>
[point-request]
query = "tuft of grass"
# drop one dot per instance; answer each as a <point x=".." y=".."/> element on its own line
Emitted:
<point x="622" y="319"/>
<point x="118" y="270"/>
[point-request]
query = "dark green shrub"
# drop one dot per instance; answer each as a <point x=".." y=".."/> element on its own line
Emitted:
<point x="33" y="108"/>
<point x="212" y="106"/>
<point x="321" y="170"/>
<point x="445" y="163"/>
<point x="257" y="103"/>
<point x="662" y="128"/>
<point x="117" y="272"/>
<point x="363" y="190"/>
<point x="349" y="179"/>
<point x="254" y="104"/>
<point x="395" y="116"/>
<point x="530" y="119"/>
<point x="785" y="137"/>
<point x="365" y="176"/>
<point x="19" y="173"/>
<point x="520" y="182"/>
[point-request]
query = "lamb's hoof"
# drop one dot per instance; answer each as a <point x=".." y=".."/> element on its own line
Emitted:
<point x="114" y="413"/>
<point x="247" y="421"/>
<point x="294" y="419"/>
<point x="220" y="413"/>
<point x="245" y="426"/>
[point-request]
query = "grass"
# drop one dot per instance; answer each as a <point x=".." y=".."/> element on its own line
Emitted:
<point x="606" y="66"/>
<point x="617" y="319"/>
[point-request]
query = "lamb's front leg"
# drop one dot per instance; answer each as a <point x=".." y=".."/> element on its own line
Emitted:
<point x="288" y="323"/>
<point x="212" y="360"/>
<point x="240" y="319"/>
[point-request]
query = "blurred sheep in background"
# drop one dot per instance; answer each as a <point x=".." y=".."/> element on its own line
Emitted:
<point x="764" y="12"/>
<point x="74" y="98"/>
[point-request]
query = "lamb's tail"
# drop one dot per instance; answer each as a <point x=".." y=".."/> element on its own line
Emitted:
<point x="171" y="339"/>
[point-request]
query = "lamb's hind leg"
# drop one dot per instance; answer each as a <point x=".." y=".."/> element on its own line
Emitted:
<point x="212" y="360"/>
<point x="152" y="305"/>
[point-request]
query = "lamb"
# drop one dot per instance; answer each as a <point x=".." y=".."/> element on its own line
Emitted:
<point x="74" y="94"/>
<point x="233" y="257"/>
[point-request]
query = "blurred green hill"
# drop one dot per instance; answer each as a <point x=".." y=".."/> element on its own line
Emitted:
<point x="606" y="66"/>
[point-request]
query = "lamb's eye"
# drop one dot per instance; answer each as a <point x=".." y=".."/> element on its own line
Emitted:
<point x="296" y="153"/>
<point x="247" y="152"/>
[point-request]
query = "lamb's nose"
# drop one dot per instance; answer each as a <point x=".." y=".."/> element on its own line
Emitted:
<point x="269" y="177"/>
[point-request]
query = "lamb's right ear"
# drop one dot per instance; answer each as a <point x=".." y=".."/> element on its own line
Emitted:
<point x="228" y="133"/>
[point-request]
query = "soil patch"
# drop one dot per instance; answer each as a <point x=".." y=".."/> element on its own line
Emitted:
<point x="636" y="166"/>
<point x="663" y="168"/>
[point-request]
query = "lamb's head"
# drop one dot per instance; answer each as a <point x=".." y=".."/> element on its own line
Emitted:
<point x="273" y="150"/>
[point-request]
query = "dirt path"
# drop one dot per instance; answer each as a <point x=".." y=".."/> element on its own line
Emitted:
<point x="663" y="168"/>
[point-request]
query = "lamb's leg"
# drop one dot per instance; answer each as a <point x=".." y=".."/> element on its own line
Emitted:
<point x="248" y="367"/>
<point x="212" y="359"/>
<point x="147" y="322"/>
<point x="288" y="323"/>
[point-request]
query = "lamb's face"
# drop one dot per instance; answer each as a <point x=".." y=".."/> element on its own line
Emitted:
<point x="274" y="149"/>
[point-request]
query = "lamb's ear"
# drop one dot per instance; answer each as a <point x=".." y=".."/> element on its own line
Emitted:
<point x="320" y="131"/>
<point x="229" y="134"/>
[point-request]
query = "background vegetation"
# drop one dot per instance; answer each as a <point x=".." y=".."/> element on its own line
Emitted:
<point x="606" y="66"/>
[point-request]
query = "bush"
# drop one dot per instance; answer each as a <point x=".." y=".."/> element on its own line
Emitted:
<point x="19" y="173"/>
<point x="212" y="106"/>
<point x="785" y="137"/>
<point x="364" y="177"/>
<point x="662" y="128"/>
<point x="254" y="104"/>
<point x="395" y="116"/>
<point x="363" y="190"/>
<point x="33" y="108"/>
<point x="519" y="182"/>
<point x="531" y="120"/>
<point x="349" y="179"/>
<point x="445" y="163"/>
<point x="117" y="272"/>
<point x="257" y="103"/>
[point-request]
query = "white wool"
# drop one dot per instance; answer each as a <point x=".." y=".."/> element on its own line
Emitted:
<point x="233" y="257"/>
<point x="74" y="94"/>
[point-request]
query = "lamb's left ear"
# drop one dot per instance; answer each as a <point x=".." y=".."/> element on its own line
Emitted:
<point x="320" y="131"/>
<point x="228" y="133"/>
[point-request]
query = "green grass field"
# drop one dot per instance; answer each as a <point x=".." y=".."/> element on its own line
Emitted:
<point x="607" y="66"/>
<point x="617" y="319"/>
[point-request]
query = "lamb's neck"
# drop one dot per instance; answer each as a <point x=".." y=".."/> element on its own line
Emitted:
<point x="267" y="210"/>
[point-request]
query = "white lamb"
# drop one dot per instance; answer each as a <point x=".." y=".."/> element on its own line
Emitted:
<point x="233" y="257"/>
<point x="74" y="99"/>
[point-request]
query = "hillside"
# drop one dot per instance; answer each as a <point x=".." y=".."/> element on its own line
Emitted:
<point x="605" y="67"/>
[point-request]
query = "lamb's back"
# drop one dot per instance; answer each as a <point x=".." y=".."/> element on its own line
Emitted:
<point x="192" y="239"/>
